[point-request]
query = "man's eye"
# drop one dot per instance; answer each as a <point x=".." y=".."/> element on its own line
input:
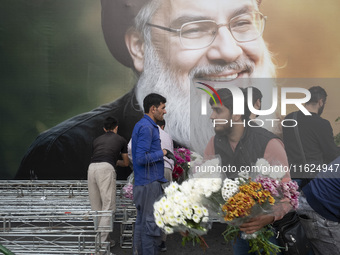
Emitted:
<point x="241" y="23"/>
<point x="195" y="30"/>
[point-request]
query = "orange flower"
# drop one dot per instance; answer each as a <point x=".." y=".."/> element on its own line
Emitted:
<point x="238" y="206"/>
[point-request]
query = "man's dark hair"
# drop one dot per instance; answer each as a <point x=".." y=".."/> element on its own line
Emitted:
<point x="317" y="93"/>
<point x="153" y="99"/>
<point x="160" y="122"/>
<point x="227" y="100"/>
<point x="256" y="94"/>
<point x="110" y="123"/>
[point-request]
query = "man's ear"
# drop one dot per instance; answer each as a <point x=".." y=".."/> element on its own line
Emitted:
<point x="237" y="118"/>
<point x="257" y="104"/>
<point x="321" y="102"/>
<point x="135" y="44"/>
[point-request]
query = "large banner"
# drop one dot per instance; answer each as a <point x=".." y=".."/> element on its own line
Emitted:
<point x="57" y="65"/>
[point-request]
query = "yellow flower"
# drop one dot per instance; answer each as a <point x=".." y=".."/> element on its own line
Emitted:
<point x="238" y="206"/>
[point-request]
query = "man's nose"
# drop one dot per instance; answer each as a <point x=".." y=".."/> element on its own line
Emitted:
<point x="224" y="47"/>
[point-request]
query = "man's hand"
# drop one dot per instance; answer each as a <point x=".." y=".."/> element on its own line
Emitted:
<point x="257" y="223"/>
<point x="170" y="155"/>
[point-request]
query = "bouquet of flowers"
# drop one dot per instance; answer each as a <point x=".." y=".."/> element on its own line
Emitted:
<point x="247" y="197"/>
<point x="127" y="190"/>
<point x="182" y="208"/>
<point x="181" y="169"/>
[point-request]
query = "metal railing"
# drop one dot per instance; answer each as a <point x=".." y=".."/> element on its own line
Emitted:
<point x="55" y="217"/>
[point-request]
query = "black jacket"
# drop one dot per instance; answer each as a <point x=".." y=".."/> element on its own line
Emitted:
<point x="317" y="140"/>
<point x="64" y="151"/>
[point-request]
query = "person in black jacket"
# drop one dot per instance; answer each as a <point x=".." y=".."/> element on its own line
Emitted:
<point x="316" y="135"/>
<point x="151" y="38"/>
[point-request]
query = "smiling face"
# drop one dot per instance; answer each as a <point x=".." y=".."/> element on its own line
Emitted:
<point x="225" y="58"/>
<point x="167" y="68"/>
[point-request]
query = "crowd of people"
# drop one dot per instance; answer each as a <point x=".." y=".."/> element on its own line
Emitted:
<point x="167" y="44"/>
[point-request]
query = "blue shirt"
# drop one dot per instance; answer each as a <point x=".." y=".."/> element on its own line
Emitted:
<point x="147" y="154"/>
<point x="323" y="192"/>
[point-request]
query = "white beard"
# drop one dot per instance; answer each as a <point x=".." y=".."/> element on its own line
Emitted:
<point x="182" y="121"/>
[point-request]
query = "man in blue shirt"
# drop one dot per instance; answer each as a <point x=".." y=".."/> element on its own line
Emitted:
<point x="148" y="167"/>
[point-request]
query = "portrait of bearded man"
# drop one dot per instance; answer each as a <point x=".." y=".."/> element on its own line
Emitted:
<point x="140" y="35"/>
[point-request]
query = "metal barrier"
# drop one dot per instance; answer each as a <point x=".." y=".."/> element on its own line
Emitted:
<point x="54" y="217"/>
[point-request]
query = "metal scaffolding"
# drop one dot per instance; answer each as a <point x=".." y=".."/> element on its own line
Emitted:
<point x="54" y="217"/>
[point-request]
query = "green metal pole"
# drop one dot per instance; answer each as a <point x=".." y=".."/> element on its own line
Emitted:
<point x="5" y="251"/>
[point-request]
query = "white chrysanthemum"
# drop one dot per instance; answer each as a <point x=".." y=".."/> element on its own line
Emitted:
<point x="216" y="184"/>
<point x="188" y="215"/>
<point x="229" y="188"/>
<point x="263" y="166"/>
<point x="196" y="218"/>
<point x="186" y="209"/>
<point x="163" y="200"/>
<point x="158" y="207"/>
<point x="156" y="214"/>
<point x="177" y="211"/>
<point x="205" y="211"/>
<point x="167" y="206"/>
<point x="187" y="187"/>
<point x="238" y="181"/>
<point x="168" y="230"/>
<point x="172" y="221"/>
<point x="165" y="218"/>
<point x="159" y="222"/>
<point x="179" y="220"/>
<point x="277" y="172"/>
<point x="171" y="188"/>
<point x="194" y="198"/>
<point x="199" y="212"/>
<point x="177" y="197"/>
<point x="205" y="219"/>
<point x="184" y="201"/>
<point x="195" y="206"/>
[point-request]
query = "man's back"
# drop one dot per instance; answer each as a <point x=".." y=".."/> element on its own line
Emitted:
<point x="316" y="136"/>
<point x="107" y="148"/>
